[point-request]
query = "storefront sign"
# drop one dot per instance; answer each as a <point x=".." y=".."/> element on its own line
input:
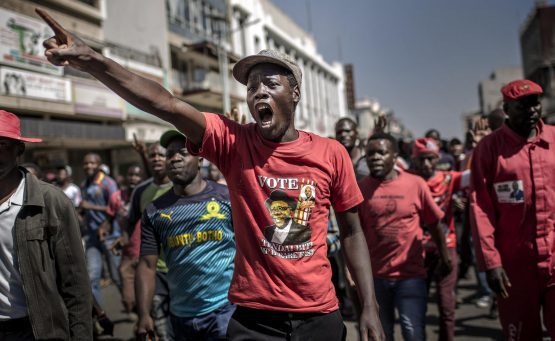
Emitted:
<point x="14" y="82"/>
<point x="21" y="40"/>
<point x="96" y="99"/>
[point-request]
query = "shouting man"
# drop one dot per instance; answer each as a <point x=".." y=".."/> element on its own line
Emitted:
<point x="281" y="291"/>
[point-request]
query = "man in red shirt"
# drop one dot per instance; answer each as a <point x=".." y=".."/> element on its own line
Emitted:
<point x="513" y="213"/>
<point x="282" y="291"/>
<point x="442" y="184"/>
<point x="395" y="204"/>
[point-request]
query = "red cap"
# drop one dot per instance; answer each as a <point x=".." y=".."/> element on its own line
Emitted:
<point x="9" y="127"/>
<point x="425" y="145"/>
<point x="520" y="88"/>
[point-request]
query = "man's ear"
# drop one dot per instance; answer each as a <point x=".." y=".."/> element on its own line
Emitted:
<point x="296" y="94"/>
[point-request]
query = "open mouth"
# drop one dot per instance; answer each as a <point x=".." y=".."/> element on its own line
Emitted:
<point x="265" y="113"/>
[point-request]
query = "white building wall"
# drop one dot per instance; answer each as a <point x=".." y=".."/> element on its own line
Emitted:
<point x="490" y="89"/>
<point x="266" y="27"/>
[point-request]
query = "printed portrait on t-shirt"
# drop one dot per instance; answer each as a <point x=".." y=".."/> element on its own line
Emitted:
<point x="286" y="230"/>
<point x="306" y="197"/>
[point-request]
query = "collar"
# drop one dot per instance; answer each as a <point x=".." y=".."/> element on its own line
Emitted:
<point x="33" y="195"/>
<point x="18" y="195"/>
<point x="16" y="198"/>
<point x="543" y="135"/>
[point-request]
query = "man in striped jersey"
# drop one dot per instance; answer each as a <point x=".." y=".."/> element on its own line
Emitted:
<point x="191" y="225"/>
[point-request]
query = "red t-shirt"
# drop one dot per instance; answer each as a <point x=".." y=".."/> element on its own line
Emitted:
<point x="390" y="216"/>
<point x="442" y="185"/>
<point x="280" y="198"/>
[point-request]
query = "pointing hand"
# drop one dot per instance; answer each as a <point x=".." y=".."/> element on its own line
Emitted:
<point x="64" y="48"/>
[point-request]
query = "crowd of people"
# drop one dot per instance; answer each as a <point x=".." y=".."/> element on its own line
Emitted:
<point x="288" y="232"/>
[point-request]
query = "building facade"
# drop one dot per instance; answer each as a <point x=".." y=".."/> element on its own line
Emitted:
<point x="70" y="111"/>
<point x="489" y="90"/>
<point x="537" y="43"/>
<point x="187" y="46"/>
<point x="256" y="25"/>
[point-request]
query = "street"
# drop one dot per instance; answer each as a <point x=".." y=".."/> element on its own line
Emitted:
<point x="472" y="323"/>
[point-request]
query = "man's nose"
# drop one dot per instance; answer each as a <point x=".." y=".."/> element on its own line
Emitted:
<point x="261" y="91"/>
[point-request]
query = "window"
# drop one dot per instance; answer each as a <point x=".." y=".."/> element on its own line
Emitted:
<point x="89" y="2"/>
<point x="256" y="44"/>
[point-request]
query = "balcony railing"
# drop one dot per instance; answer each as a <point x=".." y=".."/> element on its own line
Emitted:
<point x="209" y="81"/>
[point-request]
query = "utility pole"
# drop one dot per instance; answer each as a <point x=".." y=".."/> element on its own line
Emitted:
<point x="223" y="61"/>
<point x="224" y="67"/>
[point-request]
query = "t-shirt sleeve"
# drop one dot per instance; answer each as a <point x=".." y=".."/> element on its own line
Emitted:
<point x="111" y="186"/>
<point x="114" y="204"/>
<point x="430" y="211"/>
<point x="134" y="213"/>
<point x="218" y="142"/>
<point x="150" y="245"/>
<point x="345" y="193"/>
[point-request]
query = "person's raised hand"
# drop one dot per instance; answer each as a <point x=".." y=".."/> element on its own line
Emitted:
<point x="139" y="145"/>
<point x="236" y="116"/>
<point x="480" y="130"/>
<point x="498" y="281"/>
<point x="380" y="124"/>
<point x="64" y="48"/>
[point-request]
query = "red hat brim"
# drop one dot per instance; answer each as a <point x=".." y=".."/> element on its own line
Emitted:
<point x="20" y="138"/>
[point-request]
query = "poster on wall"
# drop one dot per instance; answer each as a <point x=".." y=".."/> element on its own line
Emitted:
<point x="14" y="82"/>
<point x="21" y="40"/>
<point x="96" y="99"/>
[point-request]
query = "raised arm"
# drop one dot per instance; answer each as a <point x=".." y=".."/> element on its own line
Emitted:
<point x="66" y="49"/>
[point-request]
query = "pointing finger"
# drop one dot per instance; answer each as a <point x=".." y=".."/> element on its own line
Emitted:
<point x="61" y="34"/>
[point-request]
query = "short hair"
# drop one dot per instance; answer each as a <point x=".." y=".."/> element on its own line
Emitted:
<point x="135" y="165"/>
<point x="66" y="168"/>
<point x="96" y="155"/>
<point x="454" y="141"/>
<point x="431" y="132"/>
<point x="292" y="82"/>
<point x="384" y="136"/>
<point x="346" y="119"/>
<point x="291" y="78"/>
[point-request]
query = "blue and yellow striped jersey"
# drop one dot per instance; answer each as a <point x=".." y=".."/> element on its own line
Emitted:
<point x="196" y="235"/>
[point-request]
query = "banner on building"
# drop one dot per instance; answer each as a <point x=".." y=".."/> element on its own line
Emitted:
<point x="96" y="99"/>
<point x="14" y="82"/>
<point x="21" y="40"/>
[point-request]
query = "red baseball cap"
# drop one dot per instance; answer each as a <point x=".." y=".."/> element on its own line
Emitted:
<point x="425" y="145"/>
<point x="515" y="90"/>
<point x="10" y="128"/>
